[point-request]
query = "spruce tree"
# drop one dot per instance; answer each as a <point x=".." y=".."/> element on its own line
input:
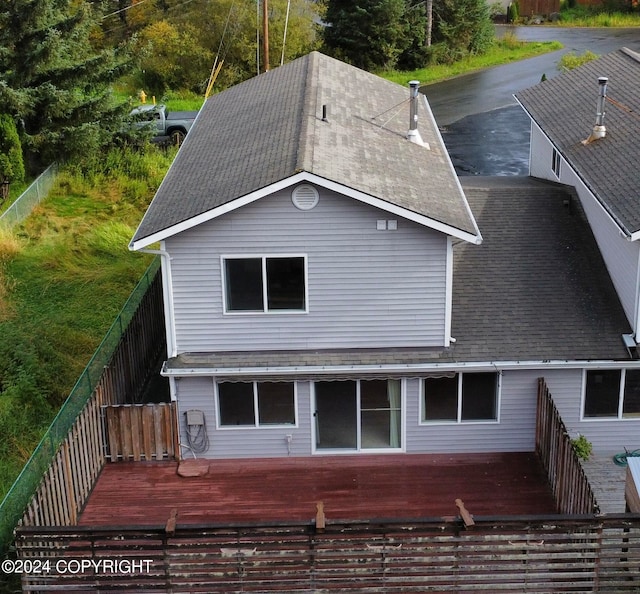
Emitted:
<point x="54" y="81"/>
<point x="366" y="33"/>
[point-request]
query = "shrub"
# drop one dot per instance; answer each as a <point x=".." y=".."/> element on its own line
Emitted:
<point x="582" y="447"/>
<point x="11" y="162"/>
<point x="513" y="12"/>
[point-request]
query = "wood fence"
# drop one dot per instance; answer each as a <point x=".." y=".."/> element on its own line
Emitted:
<point x="528" y="8"/>
<point x="141" y="432"/>
<point x="571" y="489"/>
<point x="519" y="555"/>
<point x="71" y="475"/>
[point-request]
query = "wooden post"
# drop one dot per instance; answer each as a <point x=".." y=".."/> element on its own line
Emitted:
<point x="467" y="518"/>
<point x="320" y="517"/>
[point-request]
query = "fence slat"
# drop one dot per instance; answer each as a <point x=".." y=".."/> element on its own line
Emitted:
<point x="564" y="471"/>
<point x="535" y="554"/>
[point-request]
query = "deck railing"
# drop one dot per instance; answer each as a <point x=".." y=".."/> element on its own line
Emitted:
<point x="59" y="475"/>
<point x="571" y="488"/>
<point x="532" y="554"/>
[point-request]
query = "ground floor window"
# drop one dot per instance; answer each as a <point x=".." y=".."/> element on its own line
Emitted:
<point x="460" y="397"/>
<point x="611" y="393"/>
<point x="358" y="414"/>
<point x="256" y="404"/>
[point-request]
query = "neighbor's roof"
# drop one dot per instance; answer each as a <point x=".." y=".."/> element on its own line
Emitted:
<point x="564" y="107"/>
<point x="535" y="291"/>
<point x="268" y="129"/>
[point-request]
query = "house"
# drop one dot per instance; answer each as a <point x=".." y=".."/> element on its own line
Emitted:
<point x="331" y="288"/>
<point x="585" y="132"/>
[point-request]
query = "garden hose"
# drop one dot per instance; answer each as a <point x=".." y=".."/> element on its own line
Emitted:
<point x="621" y="459"/>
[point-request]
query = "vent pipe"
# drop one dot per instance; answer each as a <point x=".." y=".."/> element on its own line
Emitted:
<point x="414" y="135"/>
<point x="599" y="130"/>
<point x="602" y="81"/>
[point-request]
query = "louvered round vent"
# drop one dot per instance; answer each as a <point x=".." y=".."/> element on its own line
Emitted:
<point x="305" y="197"/>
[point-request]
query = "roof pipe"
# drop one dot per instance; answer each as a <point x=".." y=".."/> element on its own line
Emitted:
<point x="599" y="131"/>
<point x="414" y="134"/>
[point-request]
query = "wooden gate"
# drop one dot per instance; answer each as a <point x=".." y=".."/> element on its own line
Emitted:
<point x="141" y="432"/>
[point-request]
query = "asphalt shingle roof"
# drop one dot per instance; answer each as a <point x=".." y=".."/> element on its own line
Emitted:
<point x="565" y="109"/>
<point x="270" y="127"/>
<point x="537" y="289"/>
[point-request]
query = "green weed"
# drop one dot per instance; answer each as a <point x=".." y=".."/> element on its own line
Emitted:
<point x="65" y="274"/>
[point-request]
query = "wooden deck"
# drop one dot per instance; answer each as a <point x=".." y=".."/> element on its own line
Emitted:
<point x="351" y="487"/>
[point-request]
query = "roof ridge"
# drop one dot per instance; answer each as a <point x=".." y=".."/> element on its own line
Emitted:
<point x="633" y="55"/>
<point x="304" y="155"/>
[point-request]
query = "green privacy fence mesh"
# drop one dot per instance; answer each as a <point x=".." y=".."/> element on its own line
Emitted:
<point x="18" y="497"/>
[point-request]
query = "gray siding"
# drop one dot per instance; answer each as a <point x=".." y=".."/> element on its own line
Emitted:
<point x="243" y="442"/>
<point x="366" y="288"/>
<point x="608" y="437"/>
<point x="514" y="433"/>
<point x="620" y="255"/>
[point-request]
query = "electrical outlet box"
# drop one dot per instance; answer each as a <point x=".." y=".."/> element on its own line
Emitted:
<point x="195" y="417"/>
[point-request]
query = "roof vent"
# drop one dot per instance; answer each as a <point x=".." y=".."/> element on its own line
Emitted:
<point x="414" y="135"/>
<point x="305" y="197"/>
<point x="599" y="131"/>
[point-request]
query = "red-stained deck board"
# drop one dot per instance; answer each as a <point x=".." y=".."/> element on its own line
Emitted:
<point x="351" y="487"/>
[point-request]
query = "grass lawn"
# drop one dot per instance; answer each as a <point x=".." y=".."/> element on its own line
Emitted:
<point x="503" y="51"/>
<point x="585" y="16"/>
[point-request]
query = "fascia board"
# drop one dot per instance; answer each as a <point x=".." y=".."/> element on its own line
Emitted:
<point x="301" y="177"/>
<point x="399" y="368"/>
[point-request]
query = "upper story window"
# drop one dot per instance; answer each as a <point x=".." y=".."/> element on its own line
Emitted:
<point x="611" y="394"/>
<point x="460" y="398"/>
<point x="265" y="283"/>
<point x="555" y="162"/>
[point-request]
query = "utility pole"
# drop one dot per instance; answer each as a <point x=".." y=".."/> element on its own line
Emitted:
<point x="265" y="34"/>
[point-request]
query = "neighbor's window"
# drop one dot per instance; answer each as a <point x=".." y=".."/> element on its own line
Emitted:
<point x="265" y="284"/>
<point x="555" y="162"/>
<point x="612" y="393"/>
<point x="256" y="404"/>
<point x="460" y="398"/>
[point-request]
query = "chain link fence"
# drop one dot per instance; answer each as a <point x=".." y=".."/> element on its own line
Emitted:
<point x="30" y="198"/>
<point x="18" y="497"/>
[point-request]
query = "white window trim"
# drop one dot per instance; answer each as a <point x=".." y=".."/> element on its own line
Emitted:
<point x="359" y="449"/>
<point x="556" y="162"/>
<point x="459" y="421"/>
<point x="265" y="310"/>
<point x="619" y="416"/>
<point x="256" y="410"/>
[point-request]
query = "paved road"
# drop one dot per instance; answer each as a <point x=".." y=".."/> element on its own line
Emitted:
<point x="493" y="88"/>
<point x="484" y="129"/>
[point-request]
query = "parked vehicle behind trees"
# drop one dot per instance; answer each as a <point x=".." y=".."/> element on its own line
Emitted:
<point x="164" y="123"/>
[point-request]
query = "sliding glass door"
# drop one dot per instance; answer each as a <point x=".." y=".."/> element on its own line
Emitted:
<point x="358" y="415"/>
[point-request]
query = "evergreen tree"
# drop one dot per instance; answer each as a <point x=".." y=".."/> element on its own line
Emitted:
<point x="369" y="34"/>
<point x="415" y="42"/>
<point x="54" y="81"/>
<point x="464" y="26"/>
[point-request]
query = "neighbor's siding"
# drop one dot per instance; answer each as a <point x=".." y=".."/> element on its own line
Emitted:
<point x="244" y="442"/>
<point x="366" y="288"/>
<point x="608" y="437"/>
<point x="620" y="255"/>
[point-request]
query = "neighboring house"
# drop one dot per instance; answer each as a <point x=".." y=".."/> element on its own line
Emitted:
<point x="585" y="132"/>
<point x="328" y="289"/>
